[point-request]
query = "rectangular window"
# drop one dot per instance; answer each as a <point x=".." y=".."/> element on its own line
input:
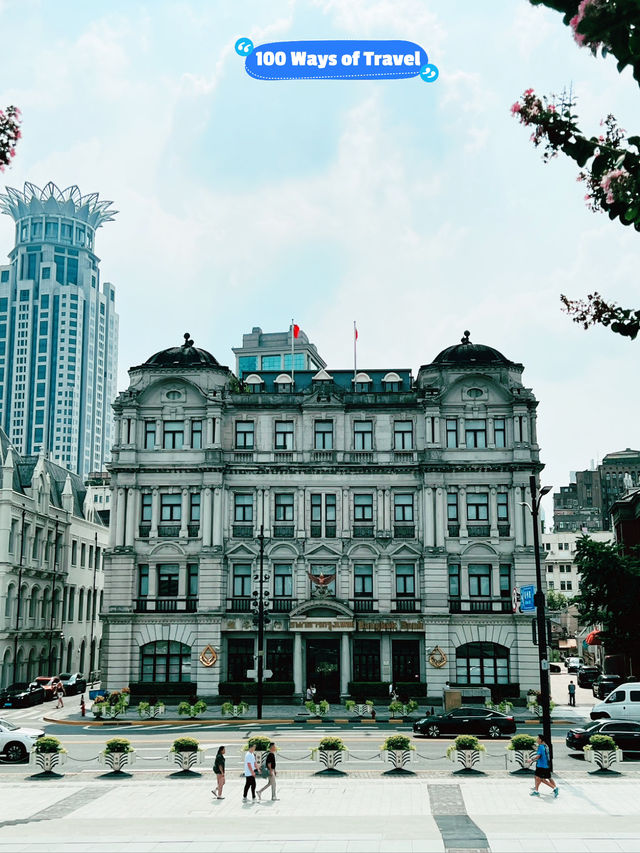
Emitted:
<point x="405" y="580"/>
<point x="271" y="362"/>
<point x="241" y="580"/>
<point x="363" y="581"/>
<point x="479" y="580"/>
<point x="363" y="507"/>
<point x="323" y="435"/>
<point x="243" y="508"/>
<point x="173" y="436"/>
<point x="192" y="580"/>
<point x="284" y="435"/>
<point x="452" y="432"/>
<point x="168" y="575"/>
<point x="475" y="433"/>
<point x="240" y="658"/>
<point x="452" y="506"/>
<point x="83" y="554"/>
<point x="403" y="435"/>
<point x="503" y="506"/>
<point x="170" y="507"/>
<point x="149" y="435"/>
<point x="366" y="660"/>
<point x="31" y="266"/>
<point x="72" y="270"/>
<point x="46" y="272"/>
<point x="51" y="230"/>
<point x="284" y="507"/>
<point x="477" y="507"/>
<point x="363" y="435"/>
<point x="244" y="435"/>
<point x="505" y="581"/>
<point x="143" y="581"/>
<point x="403" y="507"/>
<point x="74" y="552"/>
<point x="71" y="604"/>
<point x="194" y="506"/>
<point x="196" y="435"/>
<point x="454" y="581"/>
<point x="500" y="432"/>
<point x="282" y="581"/>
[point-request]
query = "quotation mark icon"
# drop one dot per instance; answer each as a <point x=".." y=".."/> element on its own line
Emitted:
<point x="244" y="47"/>
<point x="429" y="73"/>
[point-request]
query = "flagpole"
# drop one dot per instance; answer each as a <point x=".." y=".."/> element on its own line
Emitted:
<point x="292" y="365"/>
<point x="355" y="340"/>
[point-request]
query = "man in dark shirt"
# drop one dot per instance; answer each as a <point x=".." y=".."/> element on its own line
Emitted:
<point x="270" y="763"/>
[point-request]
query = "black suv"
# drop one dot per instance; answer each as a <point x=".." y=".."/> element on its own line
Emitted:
<point x="587" y="675"/>
<point x="604" y="684"/>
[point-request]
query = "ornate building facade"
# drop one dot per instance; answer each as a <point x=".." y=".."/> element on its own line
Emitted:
<point x="394" y="518"/>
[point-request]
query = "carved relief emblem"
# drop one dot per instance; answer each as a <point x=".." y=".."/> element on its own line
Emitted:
<point x="208" y="656"/>
<point x="437" y="657"/>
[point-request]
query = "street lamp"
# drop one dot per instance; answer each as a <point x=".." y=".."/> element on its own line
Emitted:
<point x="539" y="600"/>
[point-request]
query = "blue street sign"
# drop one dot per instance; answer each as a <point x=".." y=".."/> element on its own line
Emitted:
<point x="527" y="594"/>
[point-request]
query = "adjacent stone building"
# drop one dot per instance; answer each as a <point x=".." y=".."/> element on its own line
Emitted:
<point x="393" y="513"/>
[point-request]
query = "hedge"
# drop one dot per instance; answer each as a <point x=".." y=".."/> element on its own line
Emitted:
<point x="241" y="689"/>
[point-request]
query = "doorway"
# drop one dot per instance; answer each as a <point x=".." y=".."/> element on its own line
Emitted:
<point x="323" y="668"/>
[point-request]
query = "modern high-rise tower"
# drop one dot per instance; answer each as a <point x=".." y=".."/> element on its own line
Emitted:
<point x="58" y="329"/>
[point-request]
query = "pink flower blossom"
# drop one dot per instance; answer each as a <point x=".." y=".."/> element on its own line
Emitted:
<point x="515" y="108"/>
<point x="552" y="108"/>
<point x="528" y="91"/>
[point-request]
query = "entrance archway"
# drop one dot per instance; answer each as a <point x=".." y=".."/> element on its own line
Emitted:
<point x="323" y="667"/>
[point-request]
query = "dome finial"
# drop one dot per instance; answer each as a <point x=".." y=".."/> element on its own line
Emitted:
<point x="187" y="341"/>
<point x="465" y="338"/>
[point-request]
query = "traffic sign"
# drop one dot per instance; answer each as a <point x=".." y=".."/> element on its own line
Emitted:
<point x="515" y="599"/>
<point x="267" y="673"/>
<point x="252" y="673"/>
<point x="527" y="601"/>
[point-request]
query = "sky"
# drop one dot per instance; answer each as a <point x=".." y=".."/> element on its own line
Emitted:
<point x="418" y="209"/>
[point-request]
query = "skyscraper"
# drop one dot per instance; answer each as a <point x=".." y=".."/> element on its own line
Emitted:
<point x="58" y="329"/>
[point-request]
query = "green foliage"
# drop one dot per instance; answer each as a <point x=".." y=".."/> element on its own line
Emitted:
<point x="463" y="742"/>
<point x="396" y="708"/>
<point x="397" y="742"/>
<point x="350" y="704"/>
<point x="185" y="744"/>
<point x="187" y="709"/>
<point x="118" y="744"/>
<point x="48" y="744"/>
<point x="230" y="708"/>
<point x="260" y="742"/>
<point x="319" y="709"/>
<point x="522" y="743"/>
<point x="555" y="600"/>
<point x="332" y="744"/>
<point x="602" y="742"/>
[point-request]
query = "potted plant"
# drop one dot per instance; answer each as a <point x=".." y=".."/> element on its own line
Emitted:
<point x="362" y="709"/>
<point x="192" y="709"/>
<point x="126" y="696"/>
<point x="399" y="709"/>
<point x="98" y="707"/>
<point x="148" y="709"/>
<point x="398" y="750"/>
<point x="186" y="752"/>
<point x="236" y="710"/>
<point x="331" y="751"/>
<point x="534" y="698"/>
<point x="466" y="750"/>
<point x="317" y="709"/>
<point x="261" y="744"/>
<point x="521" y="750"/>
<point x="602" y="750"/>
<point x="47" y="753"/>
<point x="504" y="707"/>
<point x="117" y="753"/>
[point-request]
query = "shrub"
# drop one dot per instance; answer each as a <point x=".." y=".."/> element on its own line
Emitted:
<point x="227" y="708"/>
<point x="118" y="744"/>
<point x="463" y="742"/>
<point x="522" y="742"/>
<point x="48" y="744"/>
<point x="397" y="742"/>
<point x="332" y="744"/>
<point x="396" y="708"/>
<point x="602" y="742"/>
<point x="260" y="742"/>
<point x="192" y="710"/>
<point x="185" y="744"/>
<point x="319" y="708"/>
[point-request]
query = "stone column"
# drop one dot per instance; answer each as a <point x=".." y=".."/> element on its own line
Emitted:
<point x="205" y="518"/>
<point x="120" y="518"/>
<point x="345" y="664"/>
<point x="379" y="515"/>
<point x="116" y="440"/>
<point x="155" y="513"/>
<point x="267" y="512"/>
<point x="210" y="433"/>
<point x="217" y="517"/>
<point x="388" y="510"/>
<point x="130" y="517"/>
<point x="462" y="511"/>
<point x="517" y="516"/>
<point x="298" y="682"/>
<point x="186" y="441"/>
<point x="184" y="514"/>
<point x="493" y="512"/>
<point x="346" y="522"/>
<point x="429" y="518"/>
<point x="153" y="581"/>
<point x="440" y="520"/>
<point x="300" y="522"/>
<point x="114" y="517"/>
<point x="385" y="656"/>
<point x="158" y="433"/>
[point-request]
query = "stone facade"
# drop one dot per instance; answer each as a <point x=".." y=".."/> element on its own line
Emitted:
<point x="393" y="517"/>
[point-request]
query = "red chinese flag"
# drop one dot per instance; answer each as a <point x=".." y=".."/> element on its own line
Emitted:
<point x="355" y="329"/>
<point x="296" y="330"/>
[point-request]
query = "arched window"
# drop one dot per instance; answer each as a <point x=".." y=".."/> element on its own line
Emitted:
<point x="482" y="663"/>
<point x="33" y="602"/>
<point x="9" y="602"/>
<point x="69" y="666"/>
<point x="83" y="649"/>
<point x="81" y="605"/>
<point x="165" y="660"/>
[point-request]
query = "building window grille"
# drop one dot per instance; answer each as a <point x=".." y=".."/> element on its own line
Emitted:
<point x="403" y="507"/>
<point x="500" y="432"/>
<point x="284" y="507"/>
<point x="477" y="506"/>
<point x="164" y="661"/>
<point x="241" y="580"/>
<point x="170" y="507"/>
<point x="479" y="581"/>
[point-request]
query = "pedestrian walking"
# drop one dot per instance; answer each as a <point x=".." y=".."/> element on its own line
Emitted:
<point x="83" y="707"/>
<point x="59" y="696"/>
<point x="218" y="769"/>
<point x="249" y="773"/>
<point x="572" y="694"/>
<point x="270" y="762"/>
<point x="543" y="771"/>
<point x="309" y="694"/>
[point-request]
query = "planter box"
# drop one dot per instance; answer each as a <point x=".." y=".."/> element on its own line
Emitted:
<point x="466" y="758"/>
<point x="398" y="758"/>
<point x="187" y="760"/>
<point x="330" y="758"/>
<point x="603" y="758"/>
<point x="152" y="712"/>
<point x="318" y="712"/>
<point x="116" y="761"/>
<point x="362" y="710"/>
<point x="46" y="762"/>
<point x="521" y="757"/>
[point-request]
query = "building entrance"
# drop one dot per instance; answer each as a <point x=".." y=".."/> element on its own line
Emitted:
<point x="323" y="668"/>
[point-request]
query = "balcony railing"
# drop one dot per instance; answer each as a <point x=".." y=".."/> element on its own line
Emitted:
<point x="323" y="456"/>
<point x="365" y="605"/>
<point x="504" y="530"/>
<point x="166" y="605"/>
<point x="404" y="531"/>
<point x="281" y="605"/>
<point x="363" y="531"/>
<point x="193" y="530"/>
<point x="329" y="531"/>
<point x="283" y="531"/>
<point x="283" y="456"/>
<point x="405" y="605"/>
<point x="480" y="605"/>
<point x="478" y="530"/>
<point x="169" y="530"/>
<point x="243" y="456"/>
<point x="143" y="531"/>
<point x="454" y="529"/>
<point x="243" y="531"/>
<point x="406" y="456"/>
<point x="360" y="457"/>
<point x="239" y="604"/>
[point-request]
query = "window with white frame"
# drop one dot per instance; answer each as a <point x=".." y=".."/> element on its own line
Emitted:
<point x="403" y="507"/>
<point x="363" y="435"/>
<point x="284" y="435"/>
<point x="403" y="435"/>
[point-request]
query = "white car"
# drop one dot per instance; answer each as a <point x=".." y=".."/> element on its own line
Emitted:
<point x="16" y="742"/>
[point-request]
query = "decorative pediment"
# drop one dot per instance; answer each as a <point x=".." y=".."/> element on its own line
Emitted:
<point x="167" y="548"/>
<point x="321" y="608"/>
<point x="364" y="550"/>
<point x="285" y="550"/>
<point x="323" y="552"/>
<point x="479" y="549"/>
<point x="405" y="550"/>
<point x="241" y="550"/>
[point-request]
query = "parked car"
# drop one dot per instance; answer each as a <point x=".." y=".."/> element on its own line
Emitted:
<point x="622" y="704"/>
<point x="587" y="675"/>
<point x="554" y="667"/>
<point x="73" y="683"/>
<point x="21" y="695"/>
<point x="572" y="664"/>
<point x="604" y="684"/>
<point x="49" y="683"/>
<point x="16" y="742"/>
<point x="625" y="734"/>
<point x="466" y="721"/>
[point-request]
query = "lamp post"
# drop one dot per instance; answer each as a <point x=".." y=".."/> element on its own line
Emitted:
<point x="539" y="600"/>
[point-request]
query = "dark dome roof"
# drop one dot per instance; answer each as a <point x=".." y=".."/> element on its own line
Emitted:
<point x="466" y="353"/>
<point x="185" y="356"/>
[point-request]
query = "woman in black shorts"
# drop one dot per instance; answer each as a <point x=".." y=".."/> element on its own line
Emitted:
<point x="218" y="769"/>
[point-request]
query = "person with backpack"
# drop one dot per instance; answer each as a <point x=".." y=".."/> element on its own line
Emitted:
<point x="543" y="770"/>
<point x="218" y="769"/>
<point x="270" y="764"/>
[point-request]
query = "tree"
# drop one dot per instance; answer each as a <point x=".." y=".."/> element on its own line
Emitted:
<point x="610" y="165"/>
<point x="9" y="135"/>
<point x="609" y="593"/>
<point x="556" y="600"/>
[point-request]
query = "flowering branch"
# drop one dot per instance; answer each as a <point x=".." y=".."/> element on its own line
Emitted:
<point x="9" y="135"/>
<point x="595" y="311"/>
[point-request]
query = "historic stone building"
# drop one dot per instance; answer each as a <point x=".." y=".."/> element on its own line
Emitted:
<point x="394" y="519"/>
